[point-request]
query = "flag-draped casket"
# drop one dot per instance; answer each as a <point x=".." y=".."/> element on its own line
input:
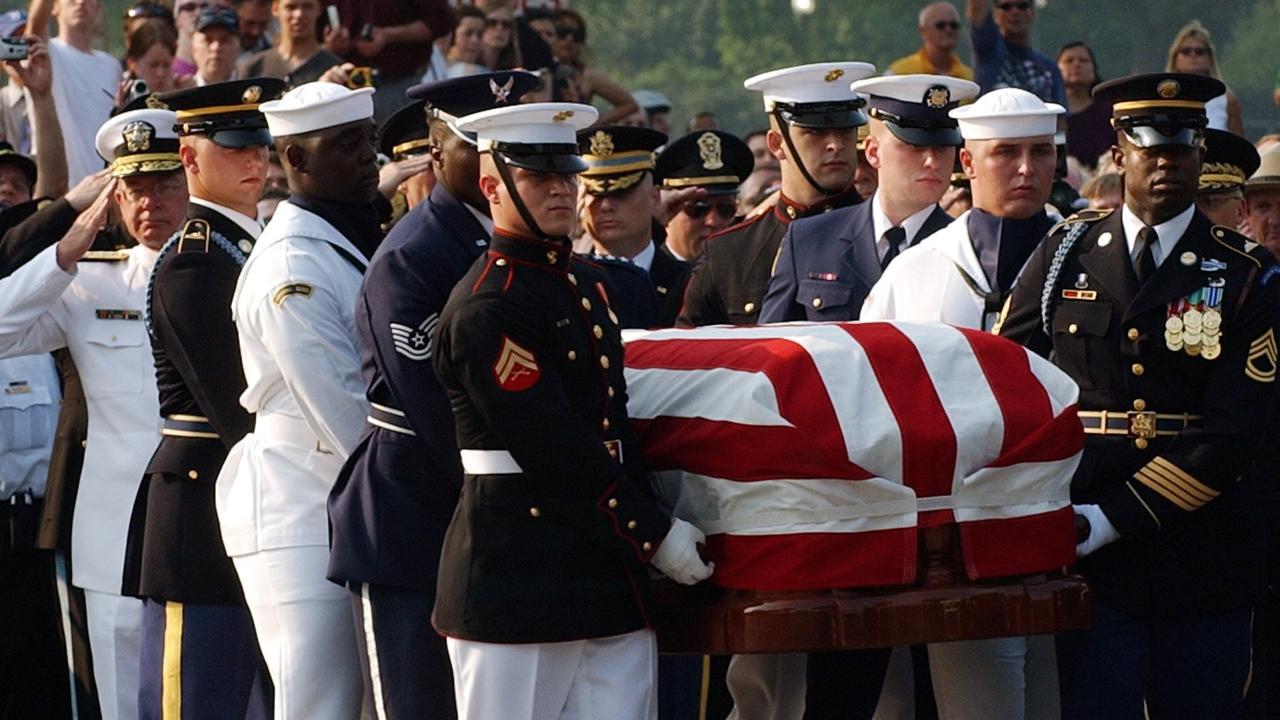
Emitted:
<point x="810" y="454"/>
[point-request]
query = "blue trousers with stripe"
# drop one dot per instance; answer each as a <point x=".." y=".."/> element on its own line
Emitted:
<point x="407" y="674"/>
<point x="201" y="662"/>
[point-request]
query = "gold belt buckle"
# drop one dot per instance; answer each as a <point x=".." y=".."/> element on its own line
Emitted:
<point x="1142" y="424"/>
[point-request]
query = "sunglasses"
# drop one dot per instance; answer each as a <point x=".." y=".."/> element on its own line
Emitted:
<point x="566" y="31"/>
<point x="1193" y="50"/>
<point x="1011" y="6"/>
<point x="726" y="209"/>
<point x="148" y="10"/>
<point x="498" y="23"/>
<point x="946" y="25"/>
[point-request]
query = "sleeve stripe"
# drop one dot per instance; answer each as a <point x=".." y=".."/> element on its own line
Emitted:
<point x="1186" y="478"/>
<point x="1165" y="490"/>
<point x="1190" y="491"/>
<point x="1144" y="504"/>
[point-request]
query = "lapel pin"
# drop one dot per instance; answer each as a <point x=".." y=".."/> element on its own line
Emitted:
<point x="1188" y="258"/>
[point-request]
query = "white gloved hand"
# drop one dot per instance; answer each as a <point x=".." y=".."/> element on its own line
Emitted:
<point x="677" y="557"/>
<point x="1101" y="531"/>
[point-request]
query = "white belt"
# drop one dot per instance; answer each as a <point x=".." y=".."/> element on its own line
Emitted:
<point x="489" y="462"/>
<point x="291" y="430"/>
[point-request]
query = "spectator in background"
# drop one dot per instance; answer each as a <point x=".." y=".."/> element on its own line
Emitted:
<point x="84" y="80"/>
<point x="1104" y="191"/>
<point x="1089" y="132"/>
<point x="394" y="37"/>
<point x="215" y="45"/>
<point x="705" y="120"/>
<point x="657" y="109"/>
<point x="184" y="16"/>
<point x="145" y="11"/>
<point x="1192" y="52"/>
<point x="15" y="128"/>
<point x="148" y="55"/>
<point x="866" y="179"/>
<point x="758" y="141"/>
<point x="465" y="55"/>
<point x="298" y="57"/>
<point x="939" y="27"/>
<point x="254" y="16"/>
<point x="1002" y="53"/>
<point x="582" y="83"/>
<point x="47" y="176"/>
<point x="1262" y="202"/>
<point x="501" y="52"/>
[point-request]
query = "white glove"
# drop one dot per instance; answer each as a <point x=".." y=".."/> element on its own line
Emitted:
<point x="677" y="556"/>
<point x="1101" y="531"/>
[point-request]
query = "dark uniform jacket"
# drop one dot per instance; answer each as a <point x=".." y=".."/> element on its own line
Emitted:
<point x="529" y="351"/>
<point x="175" y="549"/>
<point x="670" y="277"/>
<point x="1189" y="539"/>
<point x="393" y="499"/>
<point x="828" y="263"/>
<point x="730" y="277"/>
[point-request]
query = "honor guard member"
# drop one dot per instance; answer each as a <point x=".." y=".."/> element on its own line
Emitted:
<point x="700" y="174"/>
<point x="813" y="121"/>
<point x="972" y="264"/>
<point x="294" y="309"/>
<point x="402" y="138"/>
<point x="92" y="304"/>
<point x="195" y="615"/>
<point x="828" y="263"/>
<point x="619" y="196"/>
<point x="395" y="495"/>
<point x="1229" y="160"/>
<point x="1167" y="323"/>
<point x="543" y="591"/>
<point x="1009" y="156"/>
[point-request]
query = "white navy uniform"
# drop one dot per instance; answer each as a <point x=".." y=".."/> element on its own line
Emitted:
<point x="96" y="312"/>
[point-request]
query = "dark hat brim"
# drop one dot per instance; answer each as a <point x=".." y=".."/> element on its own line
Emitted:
<point x="566" y="164"/>
<point x="1149" y="136"/>
<point x="824" y="118"/>
<point x="241" y="137"/>
<point x="22" y="162"/>
<point x="926" y="137"/>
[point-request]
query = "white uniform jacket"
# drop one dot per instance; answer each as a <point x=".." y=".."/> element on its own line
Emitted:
<point x="96" y="312"/>
<point x="924" y="285"/>
<point x="294" y="309"/>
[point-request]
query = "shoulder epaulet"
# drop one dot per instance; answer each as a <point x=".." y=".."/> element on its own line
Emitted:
<point x="105" y="256"/>
<point x="497" y="270"/>
<point x="194" y="236"/>
<point x="1240" y="244"/>
<point x="1088" y="215"/>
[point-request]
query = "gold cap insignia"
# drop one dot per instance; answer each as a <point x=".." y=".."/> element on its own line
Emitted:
<point x="602" y="144"/>
<point x="937" y="97"/>
<point x="137" y="136"/>
<point x="155" y="103"/>
<point x="1168" y="89"/>
<point x="252" y="94"/>
<point x="709" y="151"/>
<point x="833" y="75"/>
<point x="562" y="116"/>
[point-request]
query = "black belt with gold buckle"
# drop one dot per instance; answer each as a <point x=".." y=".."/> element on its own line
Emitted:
<point x="1136" y="424"/>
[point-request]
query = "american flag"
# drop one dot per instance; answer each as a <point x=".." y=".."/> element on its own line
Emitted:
<point x="810" y="453"/>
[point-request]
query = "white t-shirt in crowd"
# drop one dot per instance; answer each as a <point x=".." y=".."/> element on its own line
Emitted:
<point x="84" y="89"/>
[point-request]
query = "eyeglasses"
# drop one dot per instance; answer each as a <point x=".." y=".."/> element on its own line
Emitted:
<point x="192" y="6"/>
<point x="725" y="209"/>
<point x="946" y="25"/>
<point x="567" y="31"/>
<point x="498" y="23"/>
<point x="148" y="10"/>
<point x="1196" y="50"/>
<point x="1011" y="6"/>
<point x="135" y="191"/>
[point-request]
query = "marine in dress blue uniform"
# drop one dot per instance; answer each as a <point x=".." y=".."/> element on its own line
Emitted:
<point x="1167" y="322"/>
<point x="395" y="495"/>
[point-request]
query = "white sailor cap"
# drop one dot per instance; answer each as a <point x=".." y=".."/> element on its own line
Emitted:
<point x="139" y="141"/>
<point x="537" y="136"/>
<point x="814" y="95"/>
<point x="316" y="106"/>
<point x="1008" y="113"/>
<point x="915" y="107"/>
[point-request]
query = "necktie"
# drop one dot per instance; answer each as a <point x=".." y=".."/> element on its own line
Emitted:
<point x="894" y="237"/>
<point x="1145" y="267"/>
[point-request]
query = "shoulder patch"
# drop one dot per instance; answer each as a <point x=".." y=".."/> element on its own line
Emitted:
<point x="414" y="342"/>
<point x="1260" y="366"/>
<point x="516" y="368"/>
<point x="106" y="256"/>
<point x="302" y="289"/>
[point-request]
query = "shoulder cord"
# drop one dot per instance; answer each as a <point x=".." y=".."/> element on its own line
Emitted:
<point x="1060" y="256"/>
<point x="173" y="240"/>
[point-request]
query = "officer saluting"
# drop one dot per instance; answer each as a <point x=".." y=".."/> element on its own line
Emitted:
<point x="543" y="588"/>
<point x="396" y="493"/>
<point x="1167" y="322"/>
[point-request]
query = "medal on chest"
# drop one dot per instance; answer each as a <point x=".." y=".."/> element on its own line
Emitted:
<point x="1194" y="323"/>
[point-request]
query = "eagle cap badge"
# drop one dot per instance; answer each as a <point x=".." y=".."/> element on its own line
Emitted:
<point x="937" y="97"/>
<point x="251" y="94"/>
<point x="137" y="136"/>
<point x="602" y="144"/>
<point x="833" y="75"/>
<point x="1168" y="89"/>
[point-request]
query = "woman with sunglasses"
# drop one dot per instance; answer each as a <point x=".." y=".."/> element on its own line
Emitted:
<point x="466" y="52"/>
<point x="575" y="81"/>
<point x="500" y="51"/>
<point x="1192" y="52"/>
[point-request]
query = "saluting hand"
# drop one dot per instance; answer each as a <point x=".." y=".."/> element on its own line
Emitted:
<point x="391" y="175"/>
<point x="671" y="202"/>
<point x="80" y="237"/>
<point x="88" y="189"/>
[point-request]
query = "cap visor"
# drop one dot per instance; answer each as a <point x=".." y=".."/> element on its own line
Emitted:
<point x="930" y="137"/>
<point x="829" y="119"/>
<point x="241" y="138"/>
<point x="572" y="164"/>
<point x="1146" y="136"/>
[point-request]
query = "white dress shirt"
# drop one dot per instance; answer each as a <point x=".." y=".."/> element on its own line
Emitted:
<point x="880" y="224"/>
<point x="1167" y="232"/>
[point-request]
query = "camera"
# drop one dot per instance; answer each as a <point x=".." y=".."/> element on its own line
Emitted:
<point x="361" y="77"/>
<point x="13" y="48"/>
<point x="136" y="89"/>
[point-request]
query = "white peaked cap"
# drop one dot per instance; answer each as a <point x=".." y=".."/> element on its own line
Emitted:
<point x="1008" y="113"/>
<point x="915" y="88"/>
<point x="111" y="135"/>
<point x="814" y="83"/>
<point x="316" y="106"/>
<point x="552" y="123"/>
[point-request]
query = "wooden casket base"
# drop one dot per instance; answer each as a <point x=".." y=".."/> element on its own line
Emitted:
<point x="943" y="606"/>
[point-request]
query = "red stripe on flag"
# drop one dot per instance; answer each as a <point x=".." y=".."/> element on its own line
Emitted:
<point x="1018" y="546"/>
<point x="928" y="440"/>
<point x="1023" y="401"/>
<point x="813" y="447"/>
<point x="814" y="560"/>
<point x="1058" y="439"/>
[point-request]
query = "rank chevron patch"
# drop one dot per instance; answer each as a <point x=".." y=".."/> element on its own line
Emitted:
<point x="414" y="343"/>
<point x="1261" y="365"/>
<point x="516" y="368"/>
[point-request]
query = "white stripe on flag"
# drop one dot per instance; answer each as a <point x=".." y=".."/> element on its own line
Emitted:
<point x="719" y="394"/>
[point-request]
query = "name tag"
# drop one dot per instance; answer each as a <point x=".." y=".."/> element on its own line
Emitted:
<point x="117" y="314"/>
<point x="17" y="387"/>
